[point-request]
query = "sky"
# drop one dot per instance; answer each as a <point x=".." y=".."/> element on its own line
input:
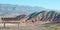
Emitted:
<point x="48" y="4"/>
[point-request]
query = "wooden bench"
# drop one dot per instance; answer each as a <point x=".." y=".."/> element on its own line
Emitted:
<point x="11" y="20"/>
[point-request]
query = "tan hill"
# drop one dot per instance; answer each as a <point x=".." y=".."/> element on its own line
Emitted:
<point x="45" y="16"/>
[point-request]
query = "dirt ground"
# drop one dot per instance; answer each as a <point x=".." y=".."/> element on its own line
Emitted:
<point x="36" y="27"/>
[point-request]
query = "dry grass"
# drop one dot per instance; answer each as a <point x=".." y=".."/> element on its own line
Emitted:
<point x="55" y="28"/>
<point x="35" y="27"/>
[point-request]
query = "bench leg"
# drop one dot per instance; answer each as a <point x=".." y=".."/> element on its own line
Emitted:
<point x="4" y="25"/>
<point x="18" y="25"/>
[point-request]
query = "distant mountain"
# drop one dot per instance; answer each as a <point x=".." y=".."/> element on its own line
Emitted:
<point x="34" y="13"/>
<point x="14" y="10"/>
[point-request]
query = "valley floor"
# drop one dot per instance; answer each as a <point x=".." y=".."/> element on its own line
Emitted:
<point x="29" y="27"/>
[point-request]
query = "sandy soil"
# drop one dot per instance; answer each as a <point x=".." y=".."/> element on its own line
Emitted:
<point x="35" y="27"/>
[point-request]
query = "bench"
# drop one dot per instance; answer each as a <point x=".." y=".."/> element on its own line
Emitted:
<point x="11" y="20"/>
